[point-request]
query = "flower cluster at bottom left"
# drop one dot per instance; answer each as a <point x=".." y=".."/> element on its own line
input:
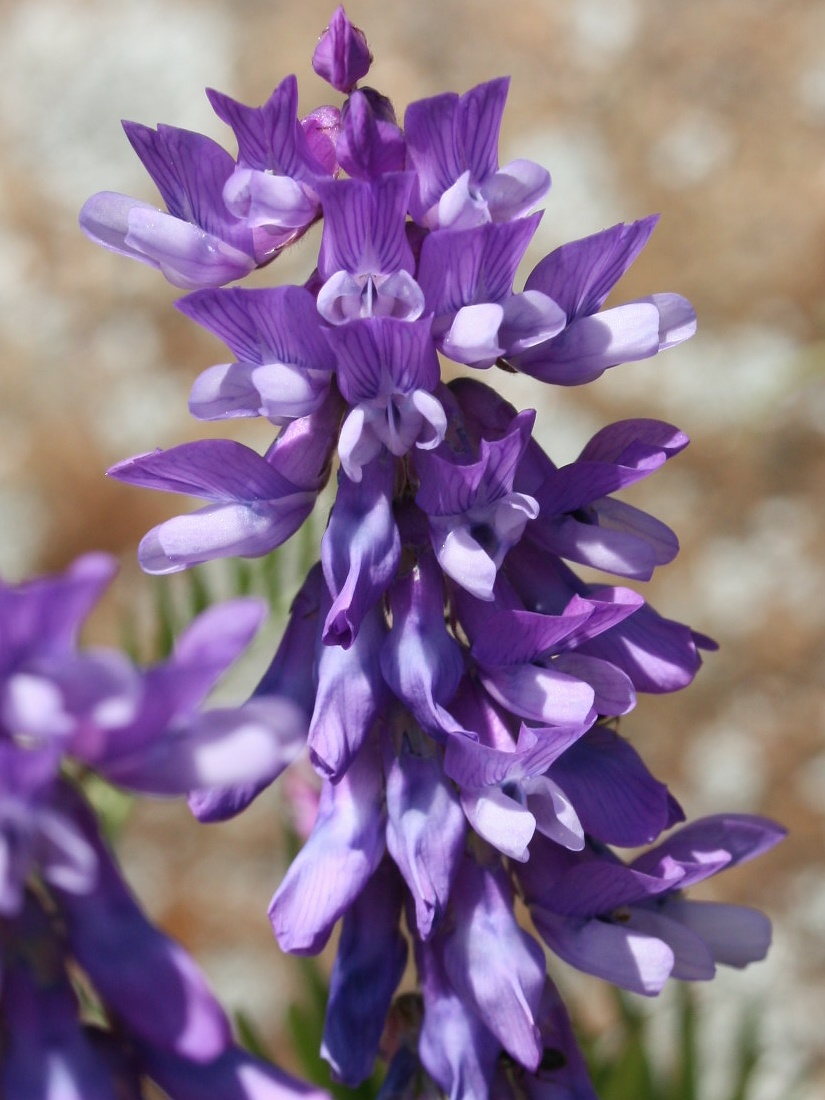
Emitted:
<point x="94" y="999"/>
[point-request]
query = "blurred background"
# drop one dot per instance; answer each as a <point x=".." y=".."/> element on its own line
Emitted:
<point x="711" y="112"/>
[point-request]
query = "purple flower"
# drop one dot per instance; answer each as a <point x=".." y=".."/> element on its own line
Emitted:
<point x="342" y="56"/>
<point x="372" y="954"/>
<point x="474" y="515"/>
<point x="360" y="550"/>
<point x="370" y="143"/>
<point x="198" y="243"/>
<point x="581" y="522"/>
<point x="365" y="259"/>
<point x="284" y="365"/>
<point x="452" y="145"/>
<point x="467" y="278"/>
<point x="630" y="924"/>
<point x="425" y="826"/>
<point x="345" y="847"/>
<point x="579" y="276"/>
<point x="387" y="370"/>
<point x="272" y="190"/>
<point x="257" y="501"/>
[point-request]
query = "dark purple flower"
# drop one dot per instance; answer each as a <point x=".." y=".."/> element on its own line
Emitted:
<point x="370" y="143"/>
<point x="342" y="56"/>
<point x="372" y="954"/>
<point x="360" y="549"/>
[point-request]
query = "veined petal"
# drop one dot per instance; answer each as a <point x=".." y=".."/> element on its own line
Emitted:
<point x="343" y="850"/>
<point x="617" y="799"/>
<point x="590" y="345"/>
<point x="264" y="325"/>
<point x="580" y="275"/>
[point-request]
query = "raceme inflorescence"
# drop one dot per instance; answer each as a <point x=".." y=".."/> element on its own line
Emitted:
<point x="455" y="683"/>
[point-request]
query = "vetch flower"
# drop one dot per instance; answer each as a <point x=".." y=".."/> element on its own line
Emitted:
<point x="197" y="243"/>
<point x="452" y="145"/>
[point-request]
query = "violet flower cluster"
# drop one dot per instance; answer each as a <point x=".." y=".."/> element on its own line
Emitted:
<point x="457" y="684"/>
<point x="94" y="999"/>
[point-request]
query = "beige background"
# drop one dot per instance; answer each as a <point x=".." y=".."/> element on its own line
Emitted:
<point x="709" y="111"/>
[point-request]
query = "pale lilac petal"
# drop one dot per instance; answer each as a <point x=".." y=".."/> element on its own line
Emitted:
<point x="591" y="345"/>
<point x="614" y="693"/>
<point x="513" y="190"/>
<point x="555" y="814"/>
<point x="358" y="444"/>
<point x="734" y="934"/>
<point x="677" y="319"/>
<point x="460" y="207"/>
<point x="104" y="219"/>
<point x="343" y="850"/>
<point x="425" y="832"/>
<point x="463" y="559"/>
<point x="222" y="531"/>
<point x="541" y="694"/>
<point x="501" y="820"/>
<point x="186" y="255"/>
<point x="493" y="964"/>
<point x="473" y="336"/>
<point x="631" y="960"/>
<point x="529" y="319"/>
<point x="264" y="199"/>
